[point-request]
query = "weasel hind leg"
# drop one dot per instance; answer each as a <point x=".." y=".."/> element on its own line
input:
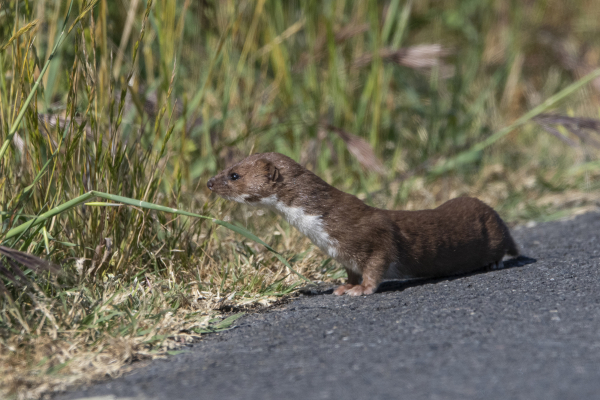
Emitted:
<point x="513" y="249"/>
<point x="495" y="266"/>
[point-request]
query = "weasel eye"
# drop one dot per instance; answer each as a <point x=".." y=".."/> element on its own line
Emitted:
<point x="234" y="177"/>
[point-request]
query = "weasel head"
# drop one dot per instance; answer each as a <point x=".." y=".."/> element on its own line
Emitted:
<point x="255" y="178"/>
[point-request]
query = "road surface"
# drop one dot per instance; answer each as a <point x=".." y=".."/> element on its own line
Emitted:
<point x="530" y="331"/>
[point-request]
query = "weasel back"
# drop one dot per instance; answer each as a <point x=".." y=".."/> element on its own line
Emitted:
<point x="461" y="235"/>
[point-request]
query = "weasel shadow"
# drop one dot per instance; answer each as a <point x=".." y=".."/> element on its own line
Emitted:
<point x="397" y="285"/>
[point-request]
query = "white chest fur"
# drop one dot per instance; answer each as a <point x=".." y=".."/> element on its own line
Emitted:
<point x="309" y="225"/>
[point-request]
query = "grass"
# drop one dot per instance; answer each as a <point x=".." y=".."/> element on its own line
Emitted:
<point x="114" y="114"/>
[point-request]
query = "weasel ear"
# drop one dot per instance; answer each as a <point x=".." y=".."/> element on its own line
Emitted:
<point x="272" y="172"/>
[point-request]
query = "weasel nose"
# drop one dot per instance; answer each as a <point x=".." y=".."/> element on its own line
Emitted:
<point x="210" y="183"/>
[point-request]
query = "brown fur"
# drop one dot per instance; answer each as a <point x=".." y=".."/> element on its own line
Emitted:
<point x="461" y="235"/>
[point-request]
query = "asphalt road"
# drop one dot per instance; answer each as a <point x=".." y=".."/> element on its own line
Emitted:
<point x="526" y="332"/>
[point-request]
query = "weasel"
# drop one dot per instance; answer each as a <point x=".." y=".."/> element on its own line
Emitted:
<point x="462" y="235"/>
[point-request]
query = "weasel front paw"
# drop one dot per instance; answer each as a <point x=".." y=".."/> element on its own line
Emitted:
<point x="340" y="290"/>
<point x="360" y="290"/>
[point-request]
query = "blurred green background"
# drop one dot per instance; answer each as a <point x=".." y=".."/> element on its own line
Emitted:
<point x="418" y="81"/>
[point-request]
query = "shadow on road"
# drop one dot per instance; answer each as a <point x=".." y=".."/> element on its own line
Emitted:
<point x="397" y="285"/>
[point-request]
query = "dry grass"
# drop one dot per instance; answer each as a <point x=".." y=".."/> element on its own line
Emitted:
<point x="110" y="324"/>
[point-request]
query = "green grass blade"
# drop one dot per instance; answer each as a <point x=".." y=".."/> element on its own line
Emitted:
<point x="472" y="154"/>
<point x="389" y="20"/>
<point x="48" y="214"/>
